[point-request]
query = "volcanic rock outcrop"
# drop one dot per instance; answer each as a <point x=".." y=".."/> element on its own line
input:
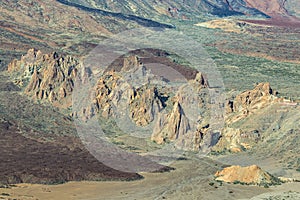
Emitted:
<point x="186" y="124"/>
<point x="243" y="107"/>
<point x="177" y="114"/>
<point x="171" y="126"/>
<point x="253" y="175"/>
<point x="257" y="98"/>
<point x="256" y="118"/>
<point x="250" y="101"/>
<point x="46" y="76"/>
<point x="236" y="140"/>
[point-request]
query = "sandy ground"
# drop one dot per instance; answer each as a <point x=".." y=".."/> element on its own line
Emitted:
<point x="190" y="180"/>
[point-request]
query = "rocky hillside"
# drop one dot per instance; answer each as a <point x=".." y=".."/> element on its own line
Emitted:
<point x="258" y="120"/>
<point x="276" y="8"/>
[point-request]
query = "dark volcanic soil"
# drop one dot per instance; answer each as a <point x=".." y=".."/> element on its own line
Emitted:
<point x="30" y="161"/>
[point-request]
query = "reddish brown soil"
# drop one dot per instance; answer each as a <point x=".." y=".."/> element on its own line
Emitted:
<point x="155" y="56"/>
<point x="272" y="8"/>
<point x="281" y="22"/>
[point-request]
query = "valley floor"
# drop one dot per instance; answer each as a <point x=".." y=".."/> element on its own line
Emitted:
<point x="192" y="179"/>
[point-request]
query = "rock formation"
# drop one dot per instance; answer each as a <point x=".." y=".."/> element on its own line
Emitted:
<point x="254" y="119"/>
<point x="261" y="96"/>
<point x="46" y="76"/>
<point x="171" y="126"/>
<point x="242" y="107"/>
<point x="253" y="175"/>
<point x="177" y="114"/>
<point x="144" y="104"/>
<point x="236" y="140"/>
<point x="251" y="101"/>
<point x="186" y="123"/>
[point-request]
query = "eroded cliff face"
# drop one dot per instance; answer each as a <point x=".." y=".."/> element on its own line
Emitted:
<point x="46" y="76"/>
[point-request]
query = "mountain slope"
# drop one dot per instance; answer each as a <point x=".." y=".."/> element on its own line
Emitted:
<point x="276" y="8"/>
<point x="178" y="8"/>
<point x="293" y="7"/>
<point x="190" y="8"/>
<point x="50" y="25"/>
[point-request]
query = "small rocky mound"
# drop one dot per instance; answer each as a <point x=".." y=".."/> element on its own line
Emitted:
<point x="252" y="175"/>
<point x="228" y="25"/>
<point x="46" y="76"/>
